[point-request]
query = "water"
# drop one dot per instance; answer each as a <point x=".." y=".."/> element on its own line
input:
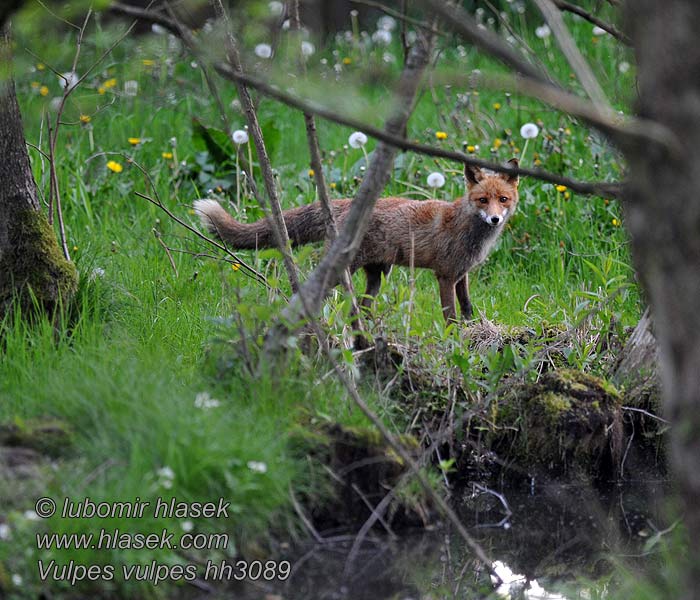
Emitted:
<point x="557" y="543"/>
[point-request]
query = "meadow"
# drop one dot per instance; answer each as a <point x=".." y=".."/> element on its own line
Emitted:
<point x="144" y="379"/>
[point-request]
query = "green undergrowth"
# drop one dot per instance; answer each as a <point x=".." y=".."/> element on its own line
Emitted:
<point x="148" y="371"/>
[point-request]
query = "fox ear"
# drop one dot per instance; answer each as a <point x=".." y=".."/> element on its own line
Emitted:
<point x="513" y="162"/>
<point x="473" y="175"/>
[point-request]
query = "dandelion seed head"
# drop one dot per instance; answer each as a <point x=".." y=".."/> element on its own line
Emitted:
<point x="529" y="131"/>
<point x="240" y="136"/>
<point x="436" y="180"/>
<point x="357" y="139"/>
<point x="263" y="50"/>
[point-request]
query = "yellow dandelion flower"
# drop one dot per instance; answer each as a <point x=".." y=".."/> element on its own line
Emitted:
<point x="235" y="266"/>
<point x="616" y="222"/>
<point x="333" y="185"/>
<point x="75" y="248"/>
<point x="471" y="149"/>
<point x="567" y="131"/>
<point x="134" y="141"/>
<point x="191" y="211"/>
<point x="516" y="150"/>
<point x="606" y="201"/>
<point x="441" y="135"/>
<point x="497" y="143"/>
<point x="101" y="90"/>
<point x="347" y="60"/>
<point x="537" y="162"/>
<point x="110" y="83"/>
<point x="311" y="172"/>
<point x="496" y="106"/>
<point x="43" y="90"/>
<point x="40" y="66"/>
<point x="561" y="188"/>
<point x="114" y="166"/>
<point x="167" y="155"/>
<point x="567" y="195"/>
<point x="148" y="62"/>
<point x="35" y="85"/>
<point x="85" y="119"/>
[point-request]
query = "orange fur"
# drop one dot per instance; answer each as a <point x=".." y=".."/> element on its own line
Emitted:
<point x="450" y="238"/>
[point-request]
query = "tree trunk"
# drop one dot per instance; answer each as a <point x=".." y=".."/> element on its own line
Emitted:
<point x="33" y="271"/>
<point x="663" y="216"/>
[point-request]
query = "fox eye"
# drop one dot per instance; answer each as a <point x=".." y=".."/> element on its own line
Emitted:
<point x="503" y="199"/>
<point x="484" y="200"/>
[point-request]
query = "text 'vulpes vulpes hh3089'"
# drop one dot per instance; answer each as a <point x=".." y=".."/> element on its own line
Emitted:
<point x="451" y="238"/>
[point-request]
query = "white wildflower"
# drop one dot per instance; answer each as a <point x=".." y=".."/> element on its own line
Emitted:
<point x="436" y="180"/>
<point x="205" y="401"/>
<point x="382" y="36"/>
<point x="257" y="466"/>
<point x="307" y="48"/>
<point x="529" y="131"/>
<point x="543" y="31"/>
<point x="69" y="80"/>
<point x="4" y="531"/>
<point x="17" y="580"/>
<point x="357" y="139"/>
<point x="387" y="23"/>
<point x="263" y="50"/>
<point x="598" y="31"/>
<point x="187" y="526"/>
<point x="276" y="7"/>
<point x="131" y="87"/>
<point x="55" y="103"/>
<point x="286" y="24"/>
<point x="240" y="136"/>
<point x="31" y="515"/>
<point x="623" y="67"/>
<point x="158" y="29"/>
<point x="96" y="273"/>
<point x="165" y="477"/>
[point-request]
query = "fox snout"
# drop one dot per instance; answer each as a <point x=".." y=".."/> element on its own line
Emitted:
<point x="493" y="220"/>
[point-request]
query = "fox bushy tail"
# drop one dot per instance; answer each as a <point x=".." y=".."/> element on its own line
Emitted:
<point x="305" y="224"/>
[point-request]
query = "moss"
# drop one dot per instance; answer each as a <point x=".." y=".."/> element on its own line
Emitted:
<point x="51" y="437"/>
<point x="567" y="422"/>
<point x="36" y="272"/>
<point x="553" y="404"/>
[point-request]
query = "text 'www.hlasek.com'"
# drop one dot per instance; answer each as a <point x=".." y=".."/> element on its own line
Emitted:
<point x="191" y="546"/>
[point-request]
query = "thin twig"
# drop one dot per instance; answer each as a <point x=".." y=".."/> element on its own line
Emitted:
<point x="277" y="224"/>
<point x="573" y="55"/>
<point x="591" y="18"/>
<point x="401" y="16"/>
<point x="603" y="189"/>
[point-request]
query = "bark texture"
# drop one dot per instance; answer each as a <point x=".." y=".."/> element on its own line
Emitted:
<point x="33" y="271"/>
<point x="663" y="216"/>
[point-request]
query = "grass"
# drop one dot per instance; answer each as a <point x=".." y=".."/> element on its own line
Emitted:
<point x="142" y="341"/>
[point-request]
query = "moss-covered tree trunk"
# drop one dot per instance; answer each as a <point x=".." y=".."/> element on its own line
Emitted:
<point x="33" y="271"/>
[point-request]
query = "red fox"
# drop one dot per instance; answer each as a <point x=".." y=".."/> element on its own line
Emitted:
<point x="451" y="238"/>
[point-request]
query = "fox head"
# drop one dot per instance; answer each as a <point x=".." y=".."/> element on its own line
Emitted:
<point x="493" y="196"/>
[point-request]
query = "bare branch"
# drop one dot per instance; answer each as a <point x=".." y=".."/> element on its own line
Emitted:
<point x="339" y="257"/>
<point x="400" y="16"/>
<point x="573" y="55"/>
<point x="591" y="18"/>
<point x="277" y="224"/>
<point x="604" y="189"/>
<point x="461" y="22"/>
<point x="583" y="187"/>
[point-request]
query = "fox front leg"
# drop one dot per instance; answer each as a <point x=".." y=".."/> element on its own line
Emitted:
<point x="462" y="289"/>
<point x="447" y="298"/>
